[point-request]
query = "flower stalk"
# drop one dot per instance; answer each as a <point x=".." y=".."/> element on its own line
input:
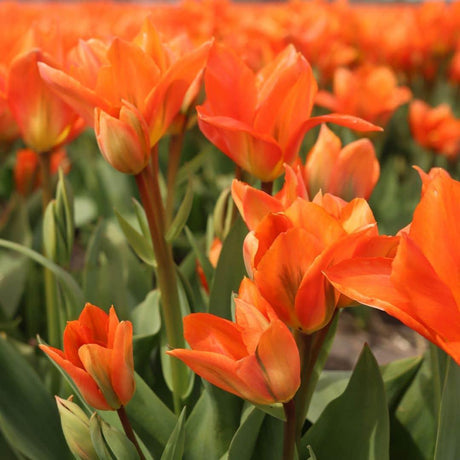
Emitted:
<point x="123" y="416"/>
<point x="147" y="182"/>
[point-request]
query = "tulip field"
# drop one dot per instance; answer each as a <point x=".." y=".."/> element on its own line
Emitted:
<point x="194" y="196"/>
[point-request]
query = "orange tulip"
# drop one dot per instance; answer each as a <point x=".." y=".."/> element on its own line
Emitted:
<point x="259" y="120"/>
<point x="435" y="128"/>
<point x="369" y="92"/>
<point x="421" y="285"/>
<point x="26" y="169"/>
<point x="45" y="122"/>
<point x="351" y="172"/>
<point x="98" y="357"/>
<point x="255" y="358"/>
<point x="138" y="86"/>
<point x="288" y="250"/>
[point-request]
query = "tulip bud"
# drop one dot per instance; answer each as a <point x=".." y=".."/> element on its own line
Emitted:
<point x="123" y="141"/>
<point x="75" y="425"/>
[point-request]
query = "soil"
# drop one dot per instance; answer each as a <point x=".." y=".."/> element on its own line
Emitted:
<point x="388" y="338"/>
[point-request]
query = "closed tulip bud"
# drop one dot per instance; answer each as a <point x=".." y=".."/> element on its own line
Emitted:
<point x="75" y="426"/>
<point x="98" y="357"/>
<point x="123" y="141"/>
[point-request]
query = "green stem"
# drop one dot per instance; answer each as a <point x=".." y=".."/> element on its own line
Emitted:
<point x="123" y="416"/>
<point x="175" y="150"/>
<point x="289" y="431"/>
<point x="309" y="349"/>
<point x="147" y="182"/>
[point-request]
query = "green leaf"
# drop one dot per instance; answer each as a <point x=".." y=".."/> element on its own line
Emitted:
<point x="146" y="316"/>
<point x="182" y="215"/>
<point x="141" y="218"/>
<point x="95" y="430"/>
<point x="150" y="418"/>
<point x="242" y="446"/>
<point x="188" y="377"/>
<point x="212" y="424"/>
<point x="397" y="376"/>
<point x="229" y="272"/>
<point x="355" y="425"/>
<point x="64" y="277"/>
<point x="270" y="441"/>
<point x="141" y="245"/>
<point x="13" y="274"/>
<point x="118" y="443"/>
<point x="311" y="454"/>
<point x="414" y="425"/>
<point x="174" y="449"/>
<point x="447" y="444"/>
<point x="28" y="415"/>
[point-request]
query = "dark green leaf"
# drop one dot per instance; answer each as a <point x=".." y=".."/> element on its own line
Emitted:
<point x="181" y="217"/>
<point x="447" y="443"/>
<point x="174" y="449"/>
<point x="244" y="442"/>
<point x="212" y="424"/>
<point x="355" y="425"/>
<point x="229" y="272"/>
<point x="28" y="415"/>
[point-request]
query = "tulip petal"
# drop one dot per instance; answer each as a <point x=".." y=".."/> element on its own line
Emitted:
<point x="122" y="364"/>
<point x="204" y="331"/>
<point x="84" y="382"/>
<point x="278" y="355"/>
<point x="253" y="204"/>
<point x="97" y="362"/>
<point x="255" y="152"/>
<point x="96" y="321"/>
<point x="281" y="270"/>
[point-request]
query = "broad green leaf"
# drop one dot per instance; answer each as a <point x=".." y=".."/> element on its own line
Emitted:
<point x="229" y="271"/>
<point x="447" y="443"/>
<point x="355" y="425"/>
<point x="414" y="425"/>
<point x="174" y="449"/>
<point x="28" y="415"/>
<point x="141" y="218"/>
<point x="187" y="378"/>
<point x="181" y="217"/>
<point x="242" y="446"/>
<point x="118" y="443"/>
<point x="13" y="274"/>
<point x="146" y="316"/>
<point x="141" y="245"/>
<point x="64" y="277"/>
<point x="212" y="424"/>
<point x="397" y="376"/>
<point x="270" y="442"/>
<point x="95" y="429"/>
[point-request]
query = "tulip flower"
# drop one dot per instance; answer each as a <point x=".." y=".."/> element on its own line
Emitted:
<point x="255" y="358"/>
<point x="351" y="172"/>
<point x="143" y="73"/>
<point x="435" y="128"/>
<point x="44" y="120"/>
<point x="292" y="241"/>
<point x="26" y="169"/>
<point x="259" y="120"/>
<point x="98" y="357"/>
<point x="420" y="285"/>
<point x="369" y="92"/>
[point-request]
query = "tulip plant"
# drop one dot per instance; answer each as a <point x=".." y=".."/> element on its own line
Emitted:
<point x="184" y="226"/>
